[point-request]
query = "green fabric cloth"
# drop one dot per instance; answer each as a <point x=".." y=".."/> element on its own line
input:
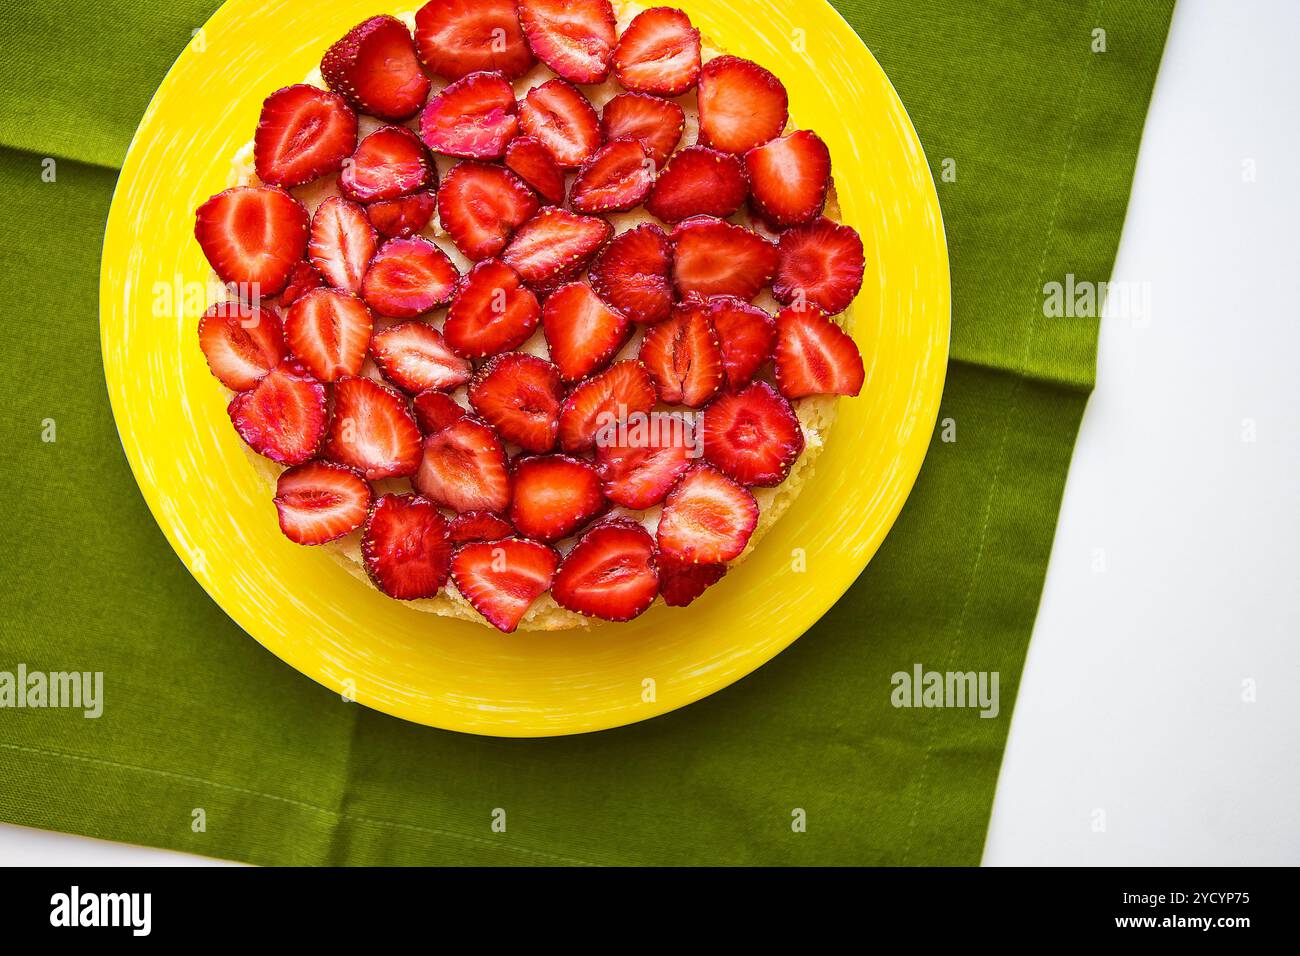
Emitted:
<point x="1042" y="133"/>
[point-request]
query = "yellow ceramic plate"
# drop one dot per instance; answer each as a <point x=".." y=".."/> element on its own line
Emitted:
<point x="307" y="609"/>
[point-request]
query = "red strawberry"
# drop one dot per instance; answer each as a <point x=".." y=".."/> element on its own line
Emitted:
<point x="555" y="244"/>
<point x="282" y="417"/>
<point x="475" y="117"/>
<point x="563" y="120"/>
<point x="654" y="123"/>
<point x="409" y="277"/>
<point x="329" y="331"/>
<point x="788" y="178"/>
<point x="464" y="468"/>
<point x="641" y="469"/>
<point x="616" y="179"/>
<point x="479" y="526"/>
<point x="342" y="243"/>
<point x="320" y="501"/>
<point x="459" y="37"/>
<point x="698" y="181"/>
<point x="404" y="216"/>
<point x="713" y="257"/>
<point x="631" y="274"/>
<point x="533" y="163"/>
<point x="610" y="573"/>
<point x="501" y="579"/>
<point x="814" y="356"/>
<point x="600" y="403"/>
<point x="575" y="38"/>
<point x="388" y="163"/>
<point x="742" y="105"/>
<point x="683" y="357"/>
<point x="493" y="311"/>
<point x="747" y="335"/>
<point x="241" y="343"/>
<point x="302" y="280"/>
<point x="554" y="496"/>
<point x="304" y="133"/>
<point x="435" y="410"/>
<point x="752" y="435"/>
<point x="519" y="395"/>
<point x="481" y="206"/>
<point x="253" y="237"/>
<point x="406" y="548"/>
<point x="582" y="332"/>
<point x="374" y="66"/>
<point x="372" y="430"/>
<point x="820" y="264"/>
<point x="414" y="357"/>
<point x="707" y="519"/>
<point x="680" y="583"/>
<point x="658" y="53"/>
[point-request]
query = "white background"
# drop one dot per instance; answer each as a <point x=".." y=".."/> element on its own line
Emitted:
<point x="1175" y="576"/>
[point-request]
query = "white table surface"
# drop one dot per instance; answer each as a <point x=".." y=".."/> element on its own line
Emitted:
<point x="1131" y="742"/>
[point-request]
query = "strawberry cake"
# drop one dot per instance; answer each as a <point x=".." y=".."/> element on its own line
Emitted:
<point x="531" y="309"/>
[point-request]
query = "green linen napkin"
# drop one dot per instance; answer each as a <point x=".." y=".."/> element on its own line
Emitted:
<point x="1030" y="114"/>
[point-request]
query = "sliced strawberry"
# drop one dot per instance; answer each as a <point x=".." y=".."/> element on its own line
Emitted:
<point x="404" y="216"/>
<point x="610" y="573"/>
<point x="241" y="343"/>
<point x="535" y="165"/>
<point x="752" y="435"/>
<point x="388" y="163"/>
<point x="435" y="410"/>
<point x="320" y="501"/>
<point x="342" y="243"/>
<point x="405" y="547"/>
<point x="554" y="496"/>
<point x="814" y="356"/>
<point x="304" y="133"/>
<point x="409" y="277"/>
<point x="600" y="403"/>
<point x="642" y="465"/>
<point x="713" y="257"/>
<point x="519" y="395"/>
<point x="283" y="416"/>
<point x="555" y="244"/>
<point x="501" y="579"/>
<point x="481" y="206"/>
<point x="680" y="583"/>
<point x="563" y="120"/>
<point x="582" y="332"/>
<point x="374" y="66"/>
<point x="658" y="53"/>
<point x="631" y="274"/>
<point x="707" y="519"/>
<point x="616" y="179"/>
<point x="464" y="468"/>
<point x="302" y="280"/>
<point x="575" y="38"/>
<point x="820" y="264"/>
<point x="747" y="335"/>
<point x="479" y="526"/>
<point x="253" y="237"/>
<point x="414" y="357"/>
<point x="372" y="430"/>
<point x="683" y="357"/>
<point x="654" y="123"/>
<point x="459" y="37"/>
<point x="698" y="181"/>
<point x="329" y="331"/>
<point x="474" y="118"/>
<point x="742" y="105"/>
<point x="788" y="179"/>
<point x="493" y="311"/>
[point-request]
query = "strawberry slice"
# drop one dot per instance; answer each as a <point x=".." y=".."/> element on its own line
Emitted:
<point x="414" y="357"/>
<point x="640" y="469"/>
<point x="375" y="68"/>
<point x="320" y="501"/>
<point x="600" y="403"/>
<point x="742" y="105"/>
<point x="493" y="311"/>
<point x="253" y="237"/>
<point x="680" y="583"/>
<point x="519" y="395"/>
<point x="582" y="332"/>
<point x="501" y="579"/>
<point x="563" y="120"/>
<point x="372" y="430"/>
<point x="473" y="118"/>
<point x="479" y="526"/>
<point x="482" y="206"/>
<point x="658" y="53"/>
<point x="747" y="335"/>
<point x="533" y="163"/>
<point x="388" y="163"/>
<point x="616" y="179"/>
<point x="820" y="264"/>
<point x="707" y="519"/>
<point x="409" y="277"/>
<point x="814" y="356"/>
<point x="302" y="279"/>
<point x="405" y="547"/>
<point x="698" y="181"/>
<point x="554" y="496"/>
<point x="329" y="331"/>
<point x="575" y="38"/>
<point x="712" y="257"/>
<point x="555" y="245"/>
<point x="654" y="123"/>
<point x="752" y="435"/>
<point x="464" y="468"/>
<point x="241" y="343"/>
<point x="342" y="243"/>
<point x="631" y="274"/>
<point x="788" y="179"/>
<point x="304" y="133"/>
<point x="683" y="357"/>
<point x="610" y="573"/>
<point x="283" y="416"/>
<point x="404" y="216"/>
<point x="435" y="410"/>
<point x="458" y="37"/>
